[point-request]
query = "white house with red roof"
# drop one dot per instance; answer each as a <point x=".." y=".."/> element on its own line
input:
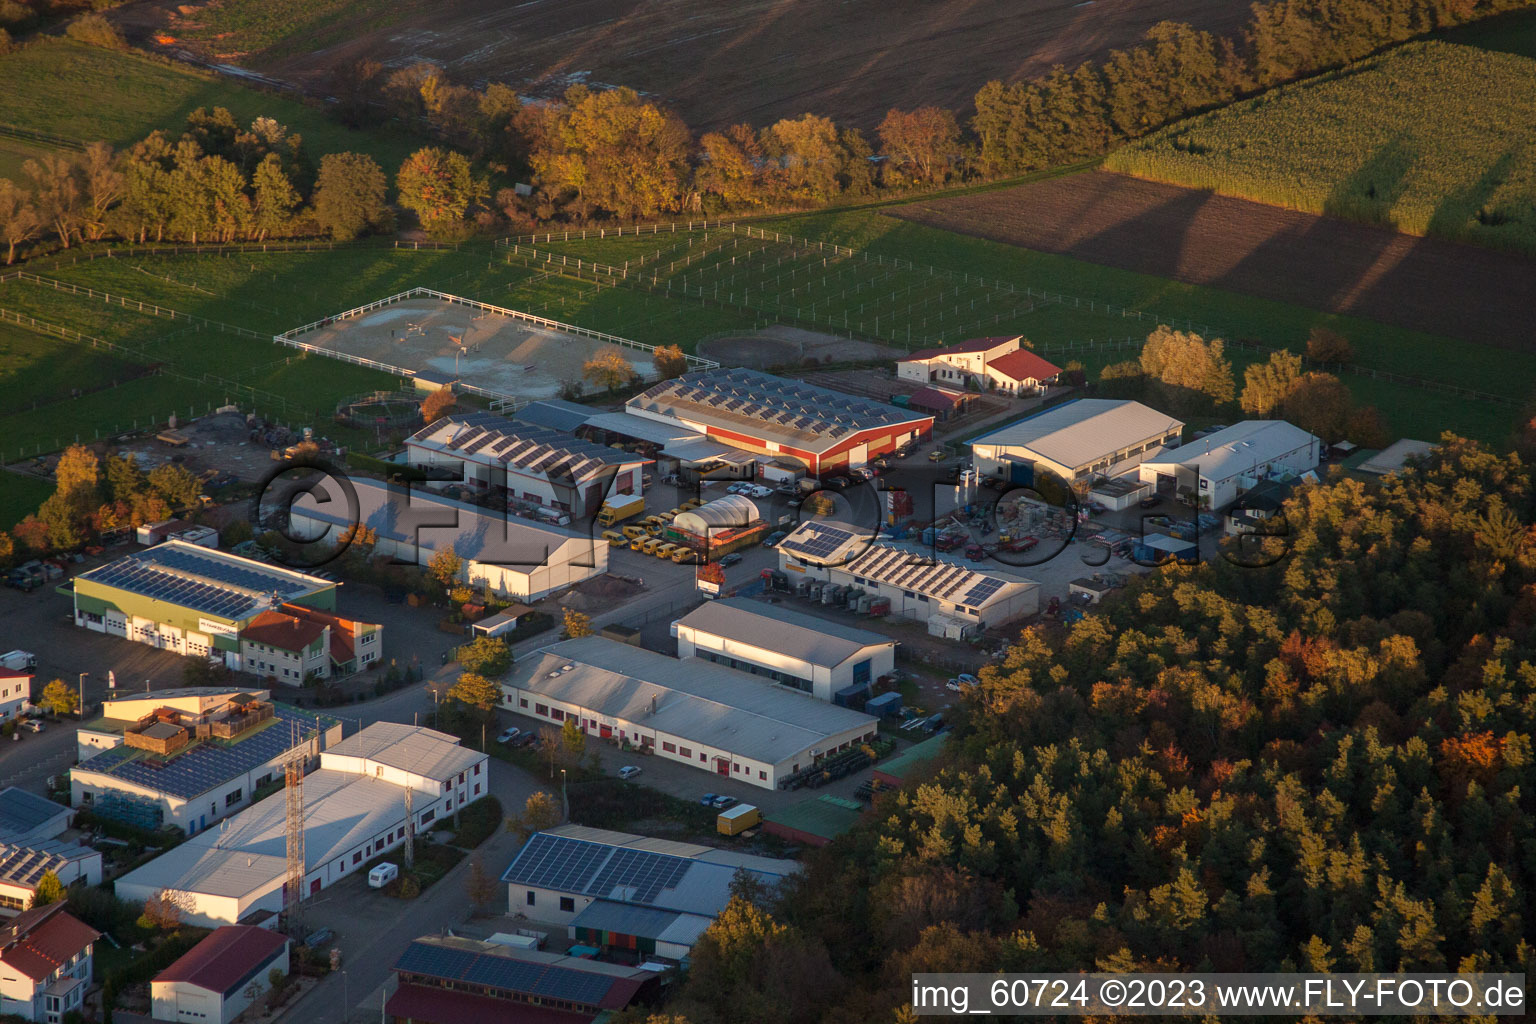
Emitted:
<point x="291" y="643"/>
<point x="219" y="977"/>
<point x="988" y="364"/>
<point x="45" y="963"/>
<point x="15" y="691"/>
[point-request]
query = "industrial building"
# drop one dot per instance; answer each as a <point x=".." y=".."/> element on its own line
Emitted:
<point x="189" y="757"/>
<point x="986" y="364"/>
<point x="45" y="964"/>
<point x="190" y="599"/>
<point x="816" y="656"/>
<point x="814" y="821"/>
<point x="15" y="692"/>
<point x="955" y="599"/>
<point x="534" y="464"/>
<point x="354" y="809"/>
<point x="516" y="558"/>
<point x="26" y="818"/>
<point x="214" y="981"/>
<point x="719" y="527"/>
<point x="675" y="445"/>
<point x="614" y="889"/>
<point x="453" y="980"/>
<point x="30" y="847"/>
<point x="715" y="718"/>
<point x="292" y="644"/>
<point x="826" y="431"/>
<point x="1076" y="441"/>
<point x="1215" y="470"/>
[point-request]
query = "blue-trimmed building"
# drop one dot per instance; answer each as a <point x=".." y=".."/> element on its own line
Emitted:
<point x="189" y="757"/>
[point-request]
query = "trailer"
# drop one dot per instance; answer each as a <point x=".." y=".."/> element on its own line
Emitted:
<point x="738" y="819"/>
<point x="619" y="508"/>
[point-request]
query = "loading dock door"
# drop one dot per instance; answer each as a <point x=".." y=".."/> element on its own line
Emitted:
<point x="722" y="766"/>
<point x="1021" y="473"/>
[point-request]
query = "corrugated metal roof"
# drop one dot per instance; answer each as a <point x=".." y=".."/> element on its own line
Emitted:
<point x="775" y="628"/>
<point x="695" y="700"/>
<point x="1081" y="432"/>
<point x="211" y="582"/>
<point x="643" y="922"/>
<point x="225" y="958"/>
<point x="22" y="812"/>
<point x="1237" y="449"/>
<point x="420" y="751"/>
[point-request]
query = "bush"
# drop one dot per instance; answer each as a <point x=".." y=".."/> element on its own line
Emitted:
<point x="478" y="822"/>
<point x="94" y="30"/>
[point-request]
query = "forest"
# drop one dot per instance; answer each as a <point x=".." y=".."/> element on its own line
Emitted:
<point x="1324" y="764"/>
<point x="613" y="154"/>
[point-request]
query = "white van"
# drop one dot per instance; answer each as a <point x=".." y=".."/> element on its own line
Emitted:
<point x="382" y="875"/>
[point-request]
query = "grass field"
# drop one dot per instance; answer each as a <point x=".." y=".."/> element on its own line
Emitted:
<point x="20" y="496"/>
<point x="1431" y="138"/>
<point x="277" y="27"/>
<point x="87" y="93"/>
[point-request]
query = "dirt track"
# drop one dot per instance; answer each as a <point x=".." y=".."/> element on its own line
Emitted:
<point x="723" y="61"/>
<point x="1200" y="238"/>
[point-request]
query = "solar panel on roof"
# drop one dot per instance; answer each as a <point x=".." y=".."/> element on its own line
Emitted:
<point x="574" y="986"/>
<point x="982" y="591"/>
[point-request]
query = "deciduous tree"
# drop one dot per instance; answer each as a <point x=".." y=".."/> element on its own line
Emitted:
<point x="1330" y="347"/>
<point x="921" y="143"/>
<point x="577" y="624"/>
<point x="439" y="186"/>
<point x="59" y="697"/>
<point x="1266" y="385"/>
<point x="608" y="370"/>
<point x="445" y="566"/>
<point x="349" y="196"/>
<point x="49" y="890"/>
<point x="19" y="221"/>
<point x="669" y="361"/>
<point x="275" y="198"/>
<point x="540" y="812"/>
<point x="438" y="404"/>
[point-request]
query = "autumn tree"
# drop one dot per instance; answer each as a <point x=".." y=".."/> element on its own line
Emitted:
<point x="486" y="655"/>
<point x="669" y="361"/>
<point x="176" y="484"/>
<point x="1329" y="347"/>
<point x="438" y="404"/>
<point x="809" y="153"/>
<point x="1186" y="363"/>
<point x="481" y="887"/>
<point x="573" y="738"/>
<point x="1319" y="404"/>
<point x="1266" y="385"/>
<point x="439" y="186"/>
<point x="19" y="221"/>
<point x="162" y="911"/>
<point x="577" y="624"/>
<point x="445" y="566"/>
<point x="349" y="196"/>
<point x="608" y="370"/>
<point x="475" y="695"/>
<point x="921" y="143"/>
<point x="102" y="184"/>
<point x="731" y="168"/>
<point x="611" y="150"/>
<point x="49" y="890"/>
<point x="56" y="194"/>
<point x="274" y="198"/>
<point x="540" y="812"/>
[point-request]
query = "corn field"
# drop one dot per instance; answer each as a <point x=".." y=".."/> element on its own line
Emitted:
<point x="1429" y="139"/>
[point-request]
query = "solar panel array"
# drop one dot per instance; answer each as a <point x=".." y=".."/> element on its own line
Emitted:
<point x="595" y="869"/>
<point x="815" y="540"/>
<point x="26" y="866"/>
<point x="495" y="971"/>
<point x="217" y="586"/>
<point x="897" y="567"/>
<point x="533" y="449"/>
<point x="647" y="873"/>
<point x="773" y="401"/>
<point x="207" y="764"/>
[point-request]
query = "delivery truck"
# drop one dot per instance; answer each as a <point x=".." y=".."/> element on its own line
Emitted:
<point x="619" y="508"/>
<point x="738" y="819"/>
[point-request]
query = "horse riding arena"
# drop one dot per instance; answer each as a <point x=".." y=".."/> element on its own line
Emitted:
<point x="435" y="338"/>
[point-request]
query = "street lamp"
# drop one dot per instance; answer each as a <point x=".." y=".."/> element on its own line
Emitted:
<point x="565" y="804"/>
<point x="346" y="998"/>
<point x="82" y="694"/>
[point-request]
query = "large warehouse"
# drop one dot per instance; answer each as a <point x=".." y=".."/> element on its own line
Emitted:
<point x="190" y="599"/>
<point x="815" y="656"/>
<point x="827" y="431"/>
<point x="1076" y="440"/>
<point x="517" y="557"/>
<point x="694" y="711"/>
<point x="1215" y="470"/>
<point x="612" y="886"/>
<point x="545" y="467"/>
<point x="354" y="810"/>
<point x="189" y="757"/>
<point x="951" y="597"/>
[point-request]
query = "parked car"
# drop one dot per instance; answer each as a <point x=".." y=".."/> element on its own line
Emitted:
<point x="723" y="803"/>
<point x="509" y="736"/>
<point x="774" y="538"/>
<point x="966" y="679"/>
<point x="729" y="560"/>
<point x="759" y="491"/>
<point x="937" y="455"/>
<point x="740" y="487"/>
<point x="629" y="771"/>
<point x="33" y="724"/>
<point x="319" y="938"/>
<point x="1151" y="501"/>
<point x="708" y="800"/>
<point x="527" y="739"/>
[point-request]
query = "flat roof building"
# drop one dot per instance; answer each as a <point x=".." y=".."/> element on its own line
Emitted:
<point x="693" y="711"/>
<point x="214" y="981"/>
<point x="1076" y="440"/>
<point x="534" y="464"/>
<point x="562" y="874"/>
<point x="1214" y="470"/>
<point x="190" y="599"/>
<point x="354" y="810"/>
<point x="793" y="649"/>
<point x="26" y="818"/>
<point x="189" y="757"/>
<point x="516" y="557"/>
<point x="826" y="430"/>
<point x="452" y="980"/>
<point x="920" y="585"/>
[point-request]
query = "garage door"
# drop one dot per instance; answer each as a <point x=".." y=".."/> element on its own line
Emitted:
<point x="1021" y="473"/>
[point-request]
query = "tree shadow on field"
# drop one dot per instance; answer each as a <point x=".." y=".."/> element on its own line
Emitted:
<point x="1370" y="194"/>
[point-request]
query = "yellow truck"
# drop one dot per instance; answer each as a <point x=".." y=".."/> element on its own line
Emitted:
<point x="619" y="508"/>
<point x="738" y="819"/>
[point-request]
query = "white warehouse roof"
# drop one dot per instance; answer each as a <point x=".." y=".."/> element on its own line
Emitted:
<point x="1081" y="432"/>
<point x="697" y="700"/>
<point x="424" y="752"/>
<point x="1237" y="449"/>
<point x="771" y="627"/>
